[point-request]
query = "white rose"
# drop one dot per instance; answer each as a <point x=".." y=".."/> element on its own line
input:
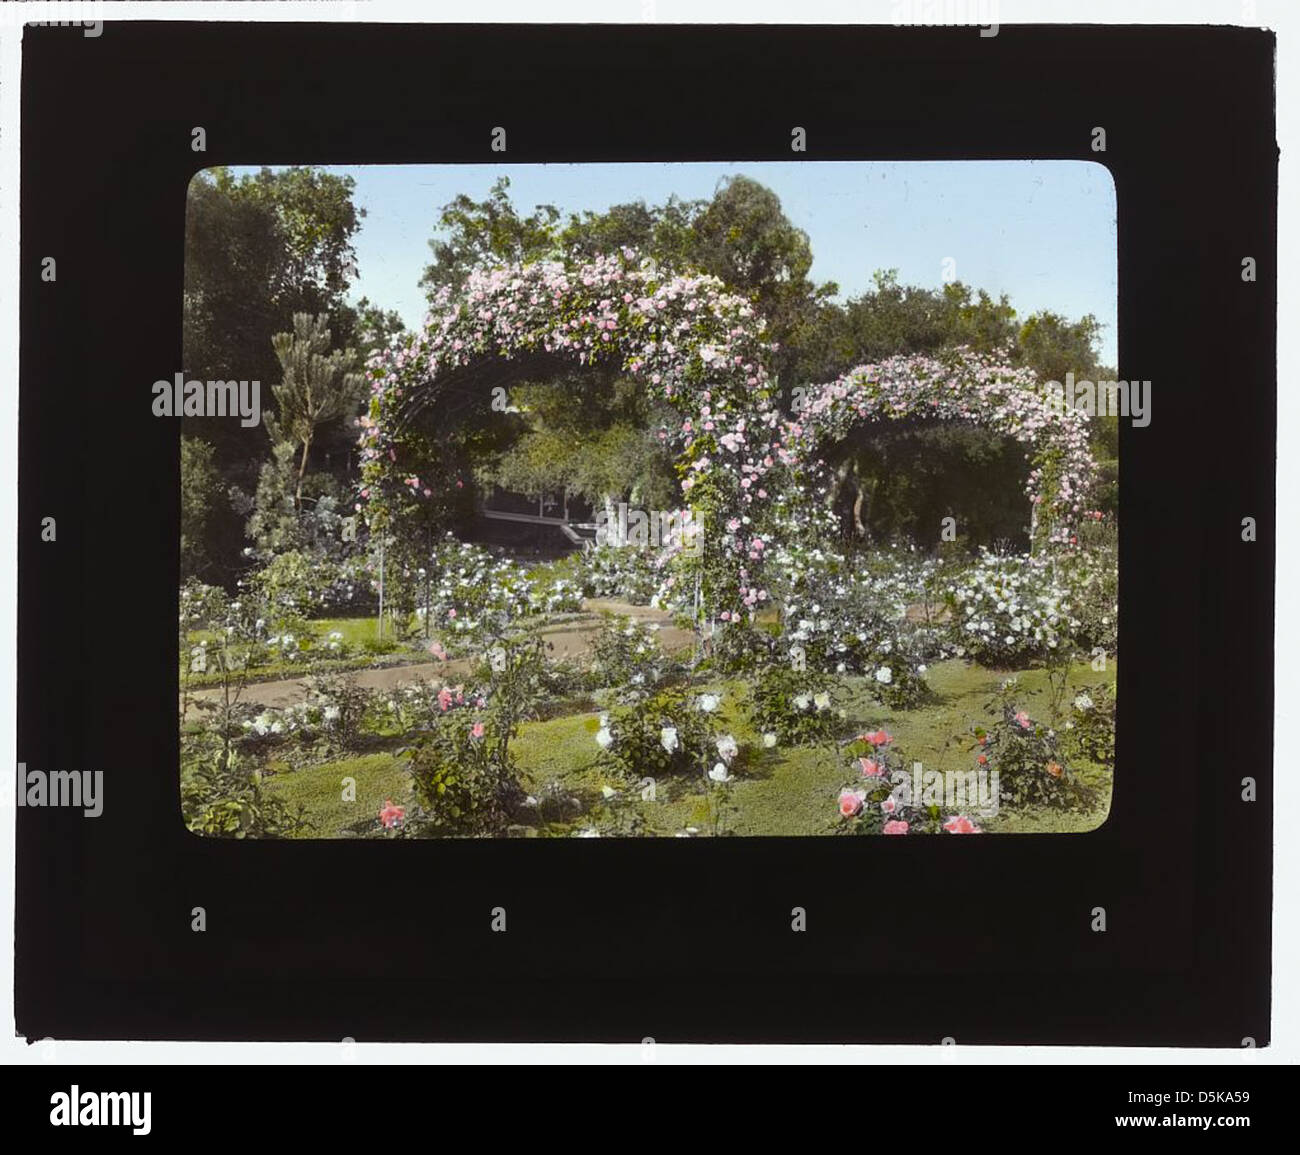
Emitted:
<point x="668" y="738"/>
<point x="884" y="675"/>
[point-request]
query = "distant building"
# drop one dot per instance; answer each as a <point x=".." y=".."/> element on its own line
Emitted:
<point x="551" y="524"/>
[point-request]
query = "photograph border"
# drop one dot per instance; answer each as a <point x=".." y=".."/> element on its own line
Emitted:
<point x="984" y="940"/>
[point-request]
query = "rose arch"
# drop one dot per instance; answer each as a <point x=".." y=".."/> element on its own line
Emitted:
<point x="977" y="389"/>
<point x="690" y="342"/>
<point x="744" y="468"/>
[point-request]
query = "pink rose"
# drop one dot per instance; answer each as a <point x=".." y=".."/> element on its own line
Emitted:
<point x="895" y="826"/>
<point x="851" y="802"/>
<point x="960" y="824"/>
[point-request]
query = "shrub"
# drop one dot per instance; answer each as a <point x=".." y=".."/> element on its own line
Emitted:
<point x="626" y="651"/>
<point x="1032" y="766"/>
<point x="849" y="618"/>
<point x="1090" y="732"/>
<point x="466" y="778"/>
<point x="631" y="574"/>
<point x="293" y="584"/>
<point x="464" y="774"/>
<point x="475" y="594"/>
<point x="877" y="796"/>
<point x="796" y="707"/>
<point x="671" y="733"/>
<point x="220" y="798"/>
<point x="1010" y="611"/>
<point x="1092" y="576"/>
<point x="419" y="705"/>
<point x="344" y="707"/>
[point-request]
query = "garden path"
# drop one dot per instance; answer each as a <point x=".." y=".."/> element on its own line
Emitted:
<point x="570" y="639"/>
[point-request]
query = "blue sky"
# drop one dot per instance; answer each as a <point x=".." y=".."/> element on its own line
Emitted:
<point x="1043" y="232"/>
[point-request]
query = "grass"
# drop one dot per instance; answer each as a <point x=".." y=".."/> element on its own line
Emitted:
<point x="320" y="789"/>
<point x="363" y="647"/>
<point x="777" y="792"/>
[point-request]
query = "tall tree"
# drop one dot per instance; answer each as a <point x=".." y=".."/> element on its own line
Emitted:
<point x="376" y="328"/>
<point x="1053" y="346"/>
<point x="201" y="502"/>
<point x="894" y="318"/>
<point x="587" y="434"/>
<point x="260" y="248"/>
<point x="479" y="232"/>
<point x="316" y="385"/>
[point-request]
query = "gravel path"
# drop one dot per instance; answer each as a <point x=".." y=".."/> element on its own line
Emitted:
<point x="571" y="639"/>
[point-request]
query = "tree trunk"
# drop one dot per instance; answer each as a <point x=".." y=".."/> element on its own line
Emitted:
<point x="302" y="471"/>
<point x="858" y="502"/>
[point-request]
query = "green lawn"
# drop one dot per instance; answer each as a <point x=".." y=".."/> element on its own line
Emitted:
<point x="777" y="792"/>
<point x="362" y="644"/>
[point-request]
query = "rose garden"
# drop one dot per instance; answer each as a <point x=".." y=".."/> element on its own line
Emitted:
<point x="793" y="674"/>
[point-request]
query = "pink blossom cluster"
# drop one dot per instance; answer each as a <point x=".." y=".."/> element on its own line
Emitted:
<point x="973" y="388"/>
<point x="694" y="344"/>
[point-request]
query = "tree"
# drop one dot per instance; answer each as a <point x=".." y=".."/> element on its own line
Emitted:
<point x="588" y="435"/>
<point x="201" y="491"/>
<point x="663" y="232"/>
<point x="486" y="232"/>
<point x="259" y="249"/>
<point x="895" y="318"/>
<point x="744" y="238"/>
<point x="376" y="328"/>
<point x="316" y="385"/>
<point x="1054" y="346"/>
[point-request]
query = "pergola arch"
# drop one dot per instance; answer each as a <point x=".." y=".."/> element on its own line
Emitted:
<point x="693" y="344"/>
<point x="971" y="388"/>
<point x="702" y="350"/>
